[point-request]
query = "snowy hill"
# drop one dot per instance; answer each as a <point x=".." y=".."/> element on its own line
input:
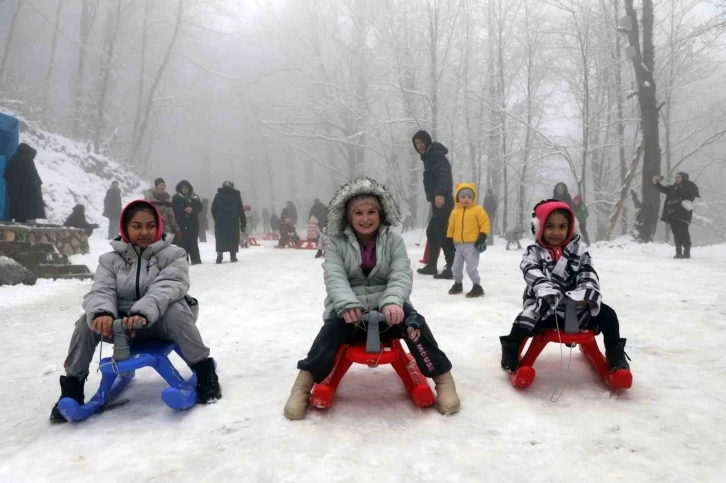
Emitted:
<point x="259" y="318"/>
<point x="71" y="175"/>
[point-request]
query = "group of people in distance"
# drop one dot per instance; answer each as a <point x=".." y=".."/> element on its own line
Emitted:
<point x="366" y="267"/>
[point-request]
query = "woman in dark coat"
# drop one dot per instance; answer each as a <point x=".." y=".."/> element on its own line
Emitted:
<point x="25" y="198"/>
<point x="77" y="219"/>
<point x="678" y="210"/>
<point x="187" y="207"/>
<point x="229" y="220"/>
<point x="561" y="193"/>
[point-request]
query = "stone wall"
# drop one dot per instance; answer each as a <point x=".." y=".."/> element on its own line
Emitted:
<point x="68" y="241"/>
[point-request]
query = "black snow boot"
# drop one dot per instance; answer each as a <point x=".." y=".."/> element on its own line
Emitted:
<point x="446" y="274"/>
<point x="208" y="388"/>
<point x="687" y="251"/>
<point x="679" y="253"/>
<point x="476" y="291"/>
<point x="219" y="257"/>
<point x="319" y="254"/>
<point x="510" y="354"/>
<point x="616" y="356"/>
<point x="456" y="289"/>
<point x="429" y="269"/>
<point x="71" y="387"/>
<point x="233" y="257"/>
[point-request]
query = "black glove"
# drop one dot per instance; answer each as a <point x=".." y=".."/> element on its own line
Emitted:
<point x="481" y="242"/>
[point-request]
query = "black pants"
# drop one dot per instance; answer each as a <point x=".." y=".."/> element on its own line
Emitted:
<point x="606" y="321"/>
<point x="335" y="332"/>
<point x="681" y="237"/>
<point x="436" y="233"/>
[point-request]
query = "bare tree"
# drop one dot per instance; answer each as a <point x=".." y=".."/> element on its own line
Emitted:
<point x="9" y="41"/>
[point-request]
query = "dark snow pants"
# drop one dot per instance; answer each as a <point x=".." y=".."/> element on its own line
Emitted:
<point x="606" y="321"/>
<point x="335" y="332"/>
<point x="681" y="236"/>
<point x="436" y="233"/>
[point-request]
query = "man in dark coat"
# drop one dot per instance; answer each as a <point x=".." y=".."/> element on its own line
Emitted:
<point x="229" y="220"/>
<point x="289" y="212"/>
<point x="25" y="198"/>
<point x="77" y="219"/>
<point x="561" y="193"/>
<point x="187" y="207"/>
<point x="678" y="210"/>
<point x="439" y="188"/>
<point x="204" y="221"/>
<point x="112" y="206"/>
<point x="490" y="206"/>
<point x="320" y="212"/>
<point x="274" y="223"/>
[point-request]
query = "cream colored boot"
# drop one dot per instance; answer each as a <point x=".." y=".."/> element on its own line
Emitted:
<point x="297" y="404"/>
<point x="447" y="401"/>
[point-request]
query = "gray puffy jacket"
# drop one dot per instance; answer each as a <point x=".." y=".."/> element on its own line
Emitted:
<point x="138" y="282"/>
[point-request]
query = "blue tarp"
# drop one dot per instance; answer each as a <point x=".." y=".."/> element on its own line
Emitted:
<point x="9" y="138"/>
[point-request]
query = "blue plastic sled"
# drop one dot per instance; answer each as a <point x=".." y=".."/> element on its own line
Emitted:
<point x="181" y="394"/>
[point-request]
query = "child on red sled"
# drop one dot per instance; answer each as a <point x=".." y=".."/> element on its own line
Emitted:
<point x="556" y="267"/>
<point x="367" y="267"/>
<point x="288" y="234"/>
<point x="145" y="278"/>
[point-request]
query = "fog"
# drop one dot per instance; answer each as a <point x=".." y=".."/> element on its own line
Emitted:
<point x="290" y="99"/>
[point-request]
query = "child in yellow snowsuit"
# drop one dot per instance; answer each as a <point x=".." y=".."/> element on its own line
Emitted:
<point x="469" y="228"/>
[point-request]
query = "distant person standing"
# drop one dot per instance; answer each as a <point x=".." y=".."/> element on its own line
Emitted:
<point x="229" y="220"/>
<point x="439" y="188"/>
<point x="159" y="185"/>
<point x="289" y="212"/>
<point x="490" y="206"/>
<point x="187" y="207"/>
<point x="112" y="206"/>
<point x="320" y="212"/>
<point x="25" y="197"/>
<point x="581" y="213"/>
<point x="561" y="193"/>
<point x="678" y="210"/>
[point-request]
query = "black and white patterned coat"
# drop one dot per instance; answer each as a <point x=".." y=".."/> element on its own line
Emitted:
<point x="573" y="276"/>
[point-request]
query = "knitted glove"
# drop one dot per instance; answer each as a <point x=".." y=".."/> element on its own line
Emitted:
<point x="481" y="242"/>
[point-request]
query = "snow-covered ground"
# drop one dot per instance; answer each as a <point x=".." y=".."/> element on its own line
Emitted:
<point x="259" y="317"/>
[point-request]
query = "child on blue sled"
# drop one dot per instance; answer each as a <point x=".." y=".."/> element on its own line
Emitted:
<point x="145" y="278"/>
<point x="367" y="267"/>
<point x="556" y="267"/>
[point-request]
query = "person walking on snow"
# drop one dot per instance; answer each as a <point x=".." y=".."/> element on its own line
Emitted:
<point x="143" y="279"/>
<point x="229" y="220"/>
<point x="468" y="229"/>
<point x="582" y="213"/>
<point x="112" y="205"/>
<point x="678" y="210"/>
<point x="366" y="268"/>
<point x="439" y="187"/>
<point x="561" y="193"/>
<point x="187" y="207"/>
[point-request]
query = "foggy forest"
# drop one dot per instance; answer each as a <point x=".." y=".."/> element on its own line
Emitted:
<point x="290" y="98"/>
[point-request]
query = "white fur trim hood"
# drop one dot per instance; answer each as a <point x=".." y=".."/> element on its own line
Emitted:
<point x="337" y="215"/>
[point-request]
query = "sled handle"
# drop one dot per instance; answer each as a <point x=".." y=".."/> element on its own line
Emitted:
<point x="121" y="346"/>
<point x="373" y="337"/>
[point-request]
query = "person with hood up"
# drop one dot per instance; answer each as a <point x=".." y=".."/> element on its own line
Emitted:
<point x="561" y="193"/>
<point x="678" y="210"/>
<point x="24" y="194"/>
<point x="229" y="220"/>
<point x="162" y="202"/>
<point x="77" y="219"/>
<point x="558" y="267"/>
<point x="468" y="230"/>
<point x="187" y="207"/>
<point x="367" y="267"/>
<point x="320" y="212"/>
<point x="143" y="279"/>
<point x="112" y="205"/>
<point x="439" y="188"/>
<point x="582" y="213"/>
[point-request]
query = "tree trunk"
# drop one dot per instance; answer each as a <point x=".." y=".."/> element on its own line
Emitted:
<point x="620" y="123"/>
<point x="51" y="62"/>
<point x="644" y="63"/>
<point x="109" y="49"/>
<point x="433" y="59"/>
<point x="9" y="41"/>
<point x="89" y="8"/>
<point x="142" y="72"/>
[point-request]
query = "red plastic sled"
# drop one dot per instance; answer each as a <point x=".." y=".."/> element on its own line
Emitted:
<point x="524" y="376"/>
<point x="307" y="245"/>
<point x="391" y="353"/>
<point x="252" y="241"/>
<point x="290" y="244"/>
<point x="271" y="236"/>
<point x="425" y="258"/>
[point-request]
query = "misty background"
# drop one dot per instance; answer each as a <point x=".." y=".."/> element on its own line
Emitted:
<point x="291" y="98"/>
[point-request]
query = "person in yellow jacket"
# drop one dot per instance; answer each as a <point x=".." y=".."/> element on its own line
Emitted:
<point x="469" y="228"/>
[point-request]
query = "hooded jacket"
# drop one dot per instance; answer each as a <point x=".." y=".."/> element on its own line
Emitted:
<point x="390" y="281"/>
<point x="565" y="196"/>
<point x="137" y="281"/>
<point x="77" y="219"/>
<point x="673" y="207"/>
<point x="25" y="196"/>
<point x="437" y="177"/>
<point x="548" y="276"/>
<point x="465" y="224"/>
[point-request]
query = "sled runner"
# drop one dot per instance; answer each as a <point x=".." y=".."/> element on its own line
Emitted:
<point x="307" y="245"/>
<point x="271" y="236"/>
<point x="118" y="371"/>
<point x="374" y="353"/>
<point x="252" y="241"/>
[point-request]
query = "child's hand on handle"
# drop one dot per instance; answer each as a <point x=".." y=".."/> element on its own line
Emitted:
<point x="352" y="316"/>
<point x="103" y="325"/>
<point x="394" y="314"/>
<point x="130" y="322"/>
